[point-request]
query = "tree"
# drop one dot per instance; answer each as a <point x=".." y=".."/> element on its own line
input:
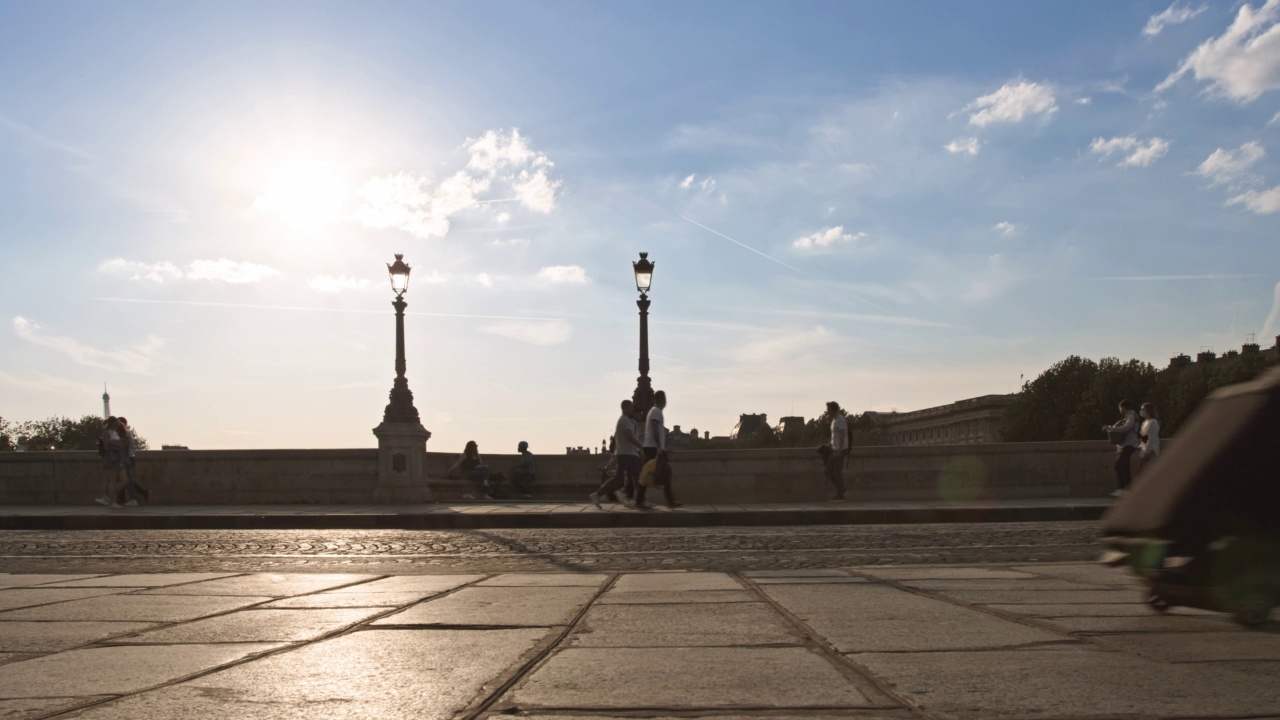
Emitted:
<point x="62" y="433"/>
<point x="6" y="435"/>
<point x="1114" y="381"/>
<point x="1046" y="405"/>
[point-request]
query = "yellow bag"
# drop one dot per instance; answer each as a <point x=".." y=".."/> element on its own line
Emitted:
<point x="649" y="472"/>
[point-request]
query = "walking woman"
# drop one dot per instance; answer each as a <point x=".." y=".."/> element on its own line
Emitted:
<point x="473" y="468"/>
<point x="1149" y="435"/>
<point x="114" y="460"/>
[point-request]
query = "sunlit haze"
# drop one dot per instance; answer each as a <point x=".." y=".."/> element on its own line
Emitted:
<point x="892" y="205"/>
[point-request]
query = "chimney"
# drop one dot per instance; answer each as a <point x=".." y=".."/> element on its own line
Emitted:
<point x="1206" y="356"/>
<point x="1249" y="348"/>
<point x="1180" y="361"/>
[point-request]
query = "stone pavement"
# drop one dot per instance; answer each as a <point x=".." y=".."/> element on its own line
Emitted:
<point x="1066" y="640"/>
<point x="533" y="514"/>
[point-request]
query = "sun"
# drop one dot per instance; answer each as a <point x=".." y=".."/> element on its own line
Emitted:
<point x="304" y="192"/>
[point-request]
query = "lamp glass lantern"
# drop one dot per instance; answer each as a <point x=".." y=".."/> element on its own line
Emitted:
<point x="644" y="272"/>
<point x="399" y="273"/>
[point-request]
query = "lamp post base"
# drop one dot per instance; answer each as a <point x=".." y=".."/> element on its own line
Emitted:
<point x="402" y="463"/>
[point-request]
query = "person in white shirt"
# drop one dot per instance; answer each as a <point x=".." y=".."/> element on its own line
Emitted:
<point x="839" y="449"/>
<point x="626" y="444"/>
<point x="655" y="445"/>
<point x="1149" y="435"/>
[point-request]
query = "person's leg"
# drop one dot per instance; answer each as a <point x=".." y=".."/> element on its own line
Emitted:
<point x="835" y="474"/>
<point x="118" y="483"/>
<point x="667" y="492"/>
<point x="133" y="480"/>
<point x="1124" y="474"/>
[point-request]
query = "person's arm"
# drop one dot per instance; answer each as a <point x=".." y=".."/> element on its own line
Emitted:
<point x="655" y="427"/>
<point x="454" y="467"/>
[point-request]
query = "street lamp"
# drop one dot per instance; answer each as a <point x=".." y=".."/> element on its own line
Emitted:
<point x="643" y="396"/>
<point x="401" y="408"/>
<point x="402" y="441"/>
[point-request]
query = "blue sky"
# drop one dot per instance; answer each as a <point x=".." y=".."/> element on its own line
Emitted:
<point x="888" y="204"/>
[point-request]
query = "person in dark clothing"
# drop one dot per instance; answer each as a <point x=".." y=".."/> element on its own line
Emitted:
<point x="473" y="468"/>
<point x="1123" y="433"/>
<point x="655" y="446"/>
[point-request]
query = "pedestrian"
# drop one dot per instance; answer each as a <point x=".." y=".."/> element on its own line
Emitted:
<point x="1123" y="433"/>
<point x="655" y="447"/>
<point x="1149" y="434"/>
<point x="839" y="449"/>
<point x="625" y="460"/>
<point x="473" y="469"/>
<point x="525" y="471"/>
<point x="135" y="491"/>
<point x="114" y="456"/>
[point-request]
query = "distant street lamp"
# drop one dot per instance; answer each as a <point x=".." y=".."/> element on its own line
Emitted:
<point x="401" y="408"/>
<point x="643" y="396"/>
<point x="402" y="441"/>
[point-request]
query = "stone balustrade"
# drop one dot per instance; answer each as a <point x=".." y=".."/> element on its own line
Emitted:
<point x="939" y="472"/>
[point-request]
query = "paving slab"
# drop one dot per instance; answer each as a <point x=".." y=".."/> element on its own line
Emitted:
<point x="801" y="573"/>
<point x="683" y="626"/>
<point x="36" y="637"/>
<point x="12" y="580"/>
<point x="675" y="581"/>
<point x="497" y="607"/>
<point x="544" y="580"/>
<point x="612" y="597"/>
<point x="384" y="674"/>
<point x="1199" y="647"/>
<point x="686" y="678"/>
<point x="827" y="580"/>
<point x="282" y="585"/>
<point x="1134" y="609"/>
<point x="115" y="670"/>
<point x="1092" y="573"/>
<point x="1151" y="622"/>
<point x="1075" y="683"/>
<point x="349" y="600"/>
<point x="134" y="608"/>
<point x="1030" y="583"/>
<point x="256" y="626"/>
<point x="411" y="583"/>
<point x="1044" y="597"/>
<point x="141" y="580"/>
<point x="859" y="618"/>
<point x="927" y="572"/>
<point x="25" y="708"/>
<point x="14" y="598"/>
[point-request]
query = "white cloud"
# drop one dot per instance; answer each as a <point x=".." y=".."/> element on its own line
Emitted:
<point x="691" y="182"/>
<point x="1012" y="103"/>
<point x="1225" y="166"/>
<point x="223" y="270"/>
<point x="512" y="242"/>
<point x="991" y="281"/>
<point x="338" y="283"/>
<point x="1083" y="100"/>
<point x="1136" y="152"/>
<point x="1272" y="323"/>
<point x="968" y="145"/>
<point x="1172" y="15"/>
<point x="686" y="183"/>
<point x="563" y="275"/>
<point x="138" y="359"/>
<point x="155" y="272"/>
<point x="1274" y="119"/>
<point x="496" y="150"/>
<point x="407" y="202"/>
<point x="826" y="238"/>
<point x="535" y="191"/>
<point x="484" y="279"/>
<point x="1263" y="202"/>
<point x="502" y="218"/>
<point x="533" y="332"/>
<point x="1005" y="228"/>
<point x="784" y="346"/>
<point x="229" y="271"/>
<point x="1243" y="62"/>
<point x="436" y="277"/>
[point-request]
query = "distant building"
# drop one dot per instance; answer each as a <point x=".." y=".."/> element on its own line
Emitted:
<point x="749" y="424"/>
<point x="174" y="447"/>
<point x="1208" y="357"/>
<point x="965" y="422"/>
<point x="790" y="426"/>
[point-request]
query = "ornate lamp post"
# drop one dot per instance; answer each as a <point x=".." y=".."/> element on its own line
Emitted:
<point x="402" y="441"/>
<point x="643" y="396"/>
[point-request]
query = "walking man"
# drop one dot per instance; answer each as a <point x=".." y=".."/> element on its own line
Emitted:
<point x="625" y="447"/>
<point x="839" y="449"/>
<point x="655" y="446"/>
<point x="1124" y="435"/>
<point x="114" y="458"/>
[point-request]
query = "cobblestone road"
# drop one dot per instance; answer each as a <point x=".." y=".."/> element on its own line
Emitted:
<point x="725" y="549"/>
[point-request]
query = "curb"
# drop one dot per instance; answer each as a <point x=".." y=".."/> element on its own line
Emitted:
<point x="565" y="520"/>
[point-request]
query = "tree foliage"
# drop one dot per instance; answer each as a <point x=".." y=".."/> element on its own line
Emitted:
<point x="1074" y="398"/>
<point x="57" y="433"/>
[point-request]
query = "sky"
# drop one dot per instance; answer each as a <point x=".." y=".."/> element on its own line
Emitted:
<point x="892" y="205"/>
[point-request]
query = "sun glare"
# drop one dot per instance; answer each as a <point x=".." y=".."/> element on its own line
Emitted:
<point x="304" y="194"/>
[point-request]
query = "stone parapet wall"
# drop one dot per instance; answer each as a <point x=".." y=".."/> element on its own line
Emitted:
<point x="941" y="472"/>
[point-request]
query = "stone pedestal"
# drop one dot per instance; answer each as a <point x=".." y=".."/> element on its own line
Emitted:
<point x="402" y="463"/>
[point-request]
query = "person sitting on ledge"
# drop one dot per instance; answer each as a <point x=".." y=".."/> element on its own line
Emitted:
<point x="524" y="473"/>
<point x="473" y="469"/>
